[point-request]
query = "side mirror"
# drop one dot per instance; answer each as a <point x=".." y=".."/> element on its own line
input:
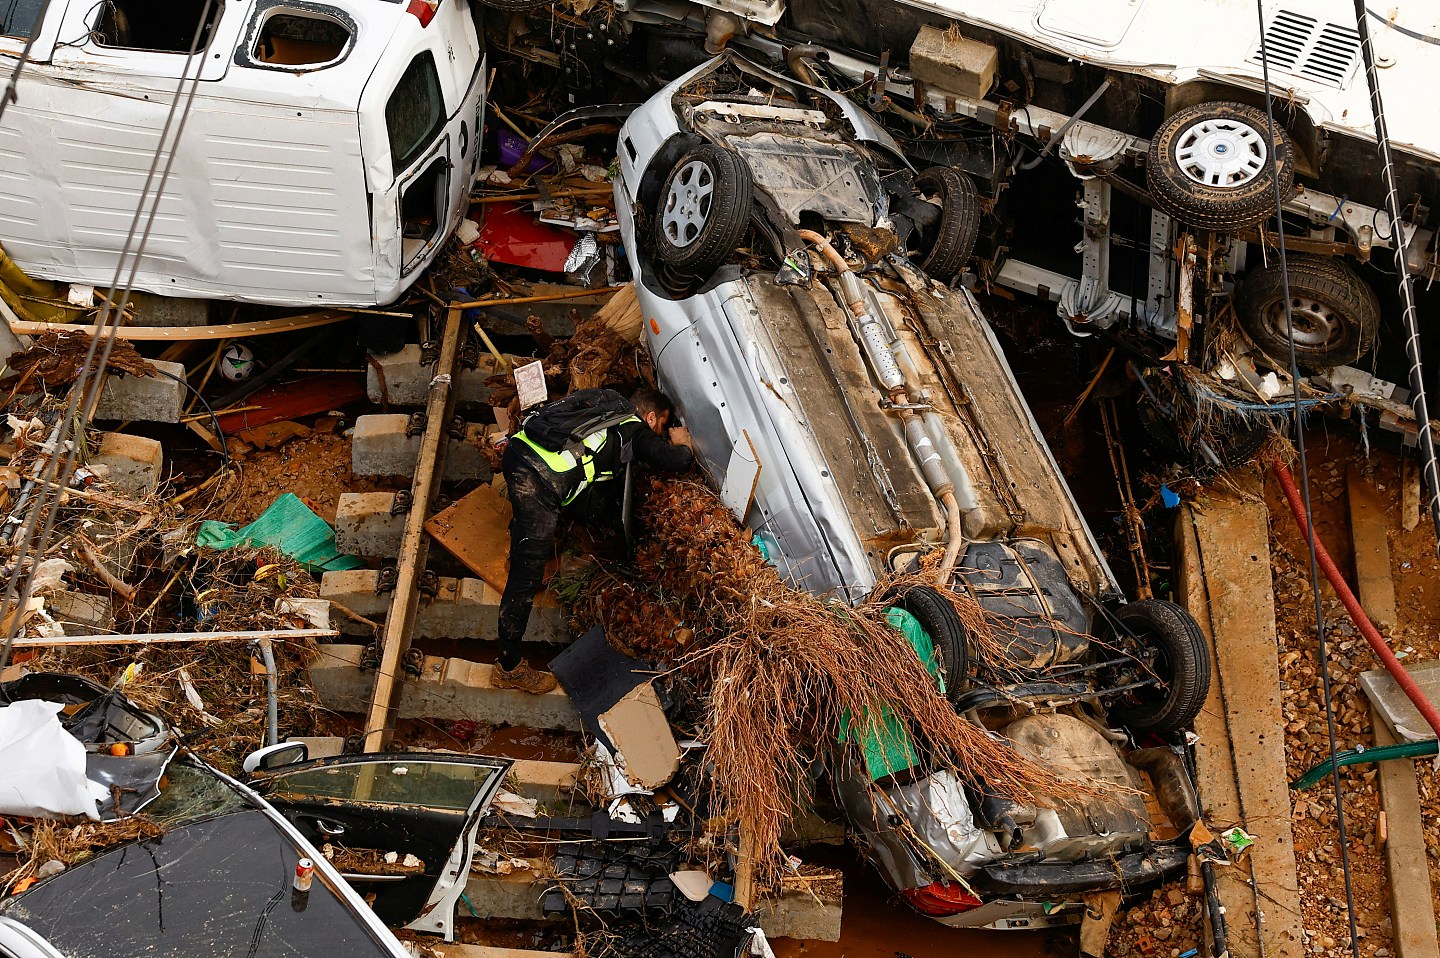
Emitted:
<point x="271" y="757"/>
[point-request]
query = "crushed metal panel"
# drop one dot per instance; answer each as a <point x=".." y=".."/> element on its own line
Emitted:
<point x="808" y="175"/>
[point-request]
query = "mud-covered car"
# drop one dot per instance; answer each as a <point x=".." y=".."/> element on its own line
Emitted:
<point x="859" y="416"/>
<point x="390" y="838"/>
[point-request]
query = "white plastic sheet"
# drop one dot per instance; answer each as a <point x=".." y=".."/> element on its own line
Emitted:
<point x="42" y="766"/>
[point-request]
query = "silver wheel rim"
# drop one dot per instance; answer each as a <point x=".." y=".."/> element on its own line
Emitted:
<point x="1221" y="153"/>
<point x="687" y="205"/>
<point x="1315" y="325"/>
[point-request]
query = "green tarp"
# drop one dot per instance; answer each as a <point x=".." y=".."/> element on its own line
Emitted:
<point x="886" y="746"/>
<point x="289" y="526"/>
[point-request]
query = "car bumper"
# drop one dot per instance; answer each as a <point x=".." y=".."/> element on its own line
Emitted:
<point x="1039" y="880"/>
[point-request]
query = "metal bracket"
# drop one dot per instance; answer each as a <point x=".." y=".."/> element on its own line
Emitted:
<point x="387" y="579"/>
<point x="413" y="664"/>
<point x="429" y="353"/>
<point x="456" y="429"/>
<point x="416" y="424"/>
<point x="403" y="500"/>
<point x="429" y="584"/>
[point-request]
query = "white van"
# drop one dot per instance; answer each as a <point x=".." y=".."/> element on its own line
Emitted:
<point x="326" y="156"/>
<point x="1157" y="109"/>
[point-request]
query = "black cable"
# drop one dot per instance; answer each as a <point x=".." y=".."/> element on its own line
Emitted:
<point x="1299" y="426"/>
<point x="214" y="419"/>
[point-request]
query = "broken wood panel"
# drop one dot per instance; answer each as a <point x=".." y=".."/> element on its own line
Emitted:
<point x="190" y="333"/>
<point x="400" y="621"/>
<point x="304" y="397"/>
<point x="1224" y="581"/>
<point x="476" y="530"/>
<point x="1412" y="908"/>
<point x="1371" y="544"/>
<point x="1409" y="492"/>
<point x="150" y="638"/>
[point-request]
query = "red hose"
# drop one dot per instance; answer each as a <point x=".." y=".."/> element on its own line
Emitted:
<point x="1352" y="605"/>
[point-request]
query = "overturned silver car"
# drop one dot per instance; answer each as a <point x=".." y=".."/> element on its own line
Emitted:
<point x="859" y="417"/>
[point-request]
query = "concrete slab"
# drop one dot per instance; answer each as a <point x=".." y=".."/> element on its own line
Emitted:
<point x="155" y="398"/>
<point x="321" y="746"/>
<point x="132" y="463"/>
<point x="1397" y="712"/>
<point x="517" y="896"/>
<point x="154" y="310"/>
<point x="798" y="915"/>
<point x="1224" y="579"/>
<point x="460" y="608"/>
<point x="1412" y="908"/>
<point x="446" y="689"/>
<point x="365" y="526"/>
<point x="79" y="613"/>
<point x="379" y="447"/>
<point x="545" y="781"/>
<point x="400" y="380"/>
<point x="1370" y="539"/>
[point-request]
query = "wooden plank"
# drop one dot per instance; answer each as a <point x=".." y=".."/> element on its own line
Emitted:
<point x="476" y="530"/>
<point x="1409" y="493"/>
<point x="1412" y="907"/>
<point x="547" y="298"/>
<point x="190" y="333"/>
<point x="149" y="638"/>
<point x="400" y="621"/>
<point x="1225" y="582"/>
<point x="1371" y="544"/>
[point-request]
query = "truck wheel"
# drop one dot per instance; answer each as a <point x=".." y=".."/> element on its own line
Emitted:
<point x="704" y="211"/>
<point x="942" y="623"/>
<point x="1209" y="166"/>
<point x="1170" y="641"/>
<point x="1334" y="315"/>
<point x="954" y="235"/>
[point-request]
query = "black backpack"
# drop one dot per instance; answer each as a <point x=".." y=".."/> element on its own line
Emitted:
<point x="563" y="424"/>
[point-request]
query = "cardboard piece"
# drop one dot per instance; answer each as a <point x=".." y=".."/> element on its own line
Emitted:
<point x="637" y="727"/>
<point x="476" y="530"/>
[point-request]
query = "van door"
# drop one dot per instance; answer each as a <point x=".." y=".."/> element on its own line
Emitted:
<point x="415" y="117"/>
<point x="139" y="38"/>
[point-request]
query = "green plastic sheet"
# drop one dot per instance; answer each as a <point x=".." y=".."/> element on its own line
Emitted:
<point x="289" y="526"/>
<point x="885" y="743"/>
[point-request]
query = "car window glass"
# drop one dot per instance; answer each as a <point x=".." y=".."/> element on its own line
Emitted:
<point x="191" y="794"/>
<point x="415" y="112"/>
<point x="433" y="784"/>
<point x="154" y="27"/>
<point x="19" y="18"/>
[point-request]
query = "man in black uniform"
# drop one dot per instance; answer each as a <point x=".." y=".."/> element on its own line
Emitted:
<point x="544" y="485"/>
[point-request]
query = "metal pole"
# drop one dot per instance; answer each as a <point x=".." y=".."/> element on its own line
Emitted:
<point x="1407" y="286"/>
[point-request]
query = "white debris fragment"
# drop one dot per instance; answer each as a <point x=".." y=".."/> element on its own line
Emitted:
<point x="392" y="857"/>
<point x="410" y="861"/>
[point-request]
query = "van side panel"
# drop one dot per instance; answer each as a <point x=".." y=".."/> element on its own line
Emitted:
<point x="259" y="205"/>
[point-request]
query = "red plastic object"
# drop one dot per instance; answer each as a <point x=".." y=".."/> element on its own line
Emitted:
<point x="941" y="899"/>
<point x="304" y="397"/>
<point x="1352" y="605"/>
<point x="423" y="10"/>
<point x="513" y="236"/>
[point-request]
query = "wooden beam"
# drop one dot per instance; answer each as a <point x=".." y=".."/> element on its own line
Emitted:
<point x="1412" y="908"/>
<point x="1369" y="538"/>
<point x="547" y="298"/>
<point x="190" y="333"/>
<point x="150" y="638"/>
<point x="414" y="546"/>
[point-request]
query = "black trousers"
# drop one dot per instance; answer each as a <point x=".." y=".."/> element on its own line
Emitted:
<point x="536" y="509"/>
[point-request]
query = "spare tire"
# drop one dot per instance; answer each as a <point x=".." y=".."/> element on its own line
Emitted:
<point x="704" y="210"/>
<point x="1334" y="315"/>
<point x="952" y="238"/>
<point x="1210" y="166"/>
<point x="1171" y="642"/>
<point x="937" y="616"/>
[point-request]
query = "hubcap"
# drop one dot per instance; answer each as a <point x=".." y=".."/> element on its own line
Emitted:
<point x="687" y="207"/>
<point x="1314" y="324"/>
<point x="1221" y="153"/>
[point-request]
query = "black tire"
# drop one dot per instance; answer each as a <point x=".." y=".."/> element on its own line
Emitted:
<point x="1181" y="662"/>
<point x="1335" y="313"/>
<point x="959" y="225"/>
<point x="942" y="623"/>
<point x="1172" y="170"/>
<point x="703" y="211"/>
<point x="1174" y="436"/>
